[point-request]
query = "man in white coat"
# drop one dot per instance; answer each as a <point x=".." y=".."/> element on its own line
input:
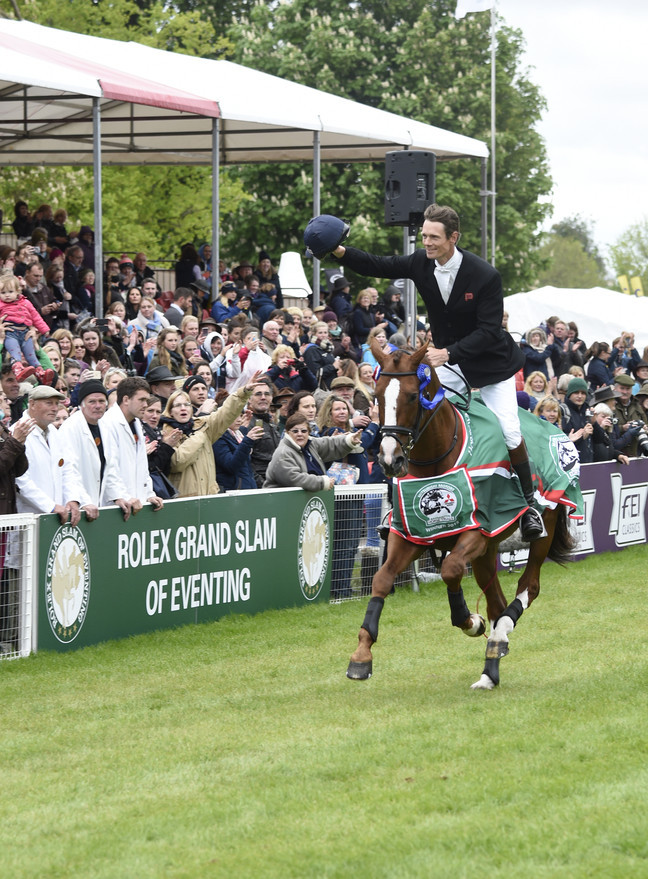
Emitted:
<point x="51" y="483"/>
<point x="122" y="432"/>
<point x="84" y="441"/>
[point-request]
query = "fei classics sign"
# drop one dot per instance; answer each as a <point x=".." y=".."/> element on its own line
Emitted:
<point x="194" y="560"/>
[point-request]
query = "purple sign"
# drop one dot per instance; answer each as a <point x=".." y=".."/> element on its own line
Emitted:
<point x="614" y="499"/>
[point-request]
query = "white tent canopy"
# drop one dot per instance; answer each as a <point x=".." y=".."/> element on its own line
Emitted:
<point x="104" y="101"/>
<point x="600" y="314"/>
<point x="156" y="106"/>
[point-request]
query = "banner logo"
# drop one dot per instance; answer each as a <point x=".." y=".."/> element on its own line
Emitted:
<point x="67" y="583"/>
<point x="313" y="548"/>
<point x="627" y="520"/>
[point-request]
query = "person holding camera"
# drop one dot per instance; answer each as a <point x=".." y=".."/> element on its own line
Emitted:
<point x="602" y="431"/>
<point x="624" y="353"/>
<point x="289" y="372"/>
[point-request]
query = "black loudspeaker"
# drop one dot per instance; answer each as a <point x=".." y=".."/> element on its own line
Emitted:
<point x="409" y="186"/>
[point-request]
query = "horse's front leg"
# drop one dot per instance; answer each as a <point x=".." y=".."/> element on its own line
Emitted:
<point x="400" y="554"/>
<point x="469" y="546"/>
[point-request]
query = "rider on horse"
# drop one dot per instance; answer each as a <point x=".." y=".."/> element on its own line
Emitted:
<point x="464" y="300"/>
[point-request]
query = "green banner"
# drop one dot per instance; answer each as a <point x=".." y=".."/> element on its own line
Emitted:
<point x="192" y="561"/>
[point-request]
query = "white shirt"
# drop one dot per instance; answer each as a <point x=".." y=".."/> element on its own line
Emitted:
<point x="446" y="274"/>
<point x="51" y="478"/>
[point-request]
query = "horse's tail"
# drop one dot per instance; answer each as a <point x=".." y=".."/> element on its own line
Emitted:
<point x="563" y="544"/>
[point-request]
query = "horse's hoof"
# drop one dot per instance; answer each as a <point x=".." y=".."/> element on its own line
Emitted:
<point x="484" y="683"/>
<point x="496" y="649"/>
<point x="359" y="671"/>
<point x="478" y="626"/>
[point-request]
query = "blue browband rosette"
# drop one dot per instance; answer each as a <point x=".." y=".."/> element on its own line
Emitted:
<point x="424" y="375"/>
<point x="376" y="373"/>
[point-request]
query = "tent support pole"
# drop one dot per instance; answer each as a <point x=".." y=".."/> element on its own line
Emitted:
<point x="215" y="274"/>
<point x="316" y="212"/>
<point x="98" y="225"/>
<point x="484" y="209"/>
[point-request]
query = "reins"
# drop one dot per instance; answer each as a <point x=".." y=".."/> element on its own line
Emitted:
<point x="433" y="406"/>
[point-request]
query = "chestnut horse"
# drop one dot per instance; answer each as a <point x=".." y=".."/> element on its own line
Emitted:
<point x="422" y="436"/>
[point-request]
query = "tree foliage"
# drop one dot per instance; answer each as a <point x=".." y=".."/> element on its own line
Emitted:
<point x="152" y="208"/>
<point x="414" y="59"/>
<point x="629" y="256"/>
<point x="569" y="264"/>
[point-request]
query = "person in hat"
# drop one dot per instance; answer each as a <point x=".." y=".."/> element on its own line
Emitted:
<point x="181" y="306"/>
<point x="225" y="305"/>
<point x="51" y="483"/>
<point x="127" y="277"/>
<point x="85" y="444"/>
<point x="578" y="426"/>
<point x="202" y="296"/>
<point x="464" y="300"/>
<point x="280" y="404"/>
<point x="86" y="243"/>
<point x="340" y="298"/>
<point x="241" y="273"/>
<point x="345" y="387"/>
<point x="602" y="436"/>
<point x="630" y="414"/>
<point x="196" y="388"/>
<point x="161" y="382"/>
<point x="267" y="274"/>
<point x="640" y="372"/>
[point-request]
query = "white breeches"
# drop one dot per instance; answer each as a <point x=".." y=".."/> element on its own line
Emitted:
<point x="500" y="398"/>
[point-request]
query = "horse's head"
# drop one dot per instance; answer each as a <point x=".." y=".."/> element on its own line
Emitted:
<point x="406" y="388"/>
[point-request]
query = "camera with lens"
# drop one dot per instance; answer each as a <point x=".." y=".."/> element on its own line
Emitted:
<point x="642" y="441"/>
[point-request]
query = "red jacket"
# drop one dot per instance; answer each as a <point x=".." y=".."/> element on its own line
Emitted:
<point x="21" y="311"/>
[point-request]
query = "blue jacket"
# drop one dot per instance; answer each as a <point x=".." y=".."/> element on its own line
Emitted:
<point x="233" y="466"/>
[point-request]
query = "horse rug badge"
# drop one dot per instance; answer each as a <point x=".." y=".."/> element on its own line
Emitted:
<point x="430" y="508"/>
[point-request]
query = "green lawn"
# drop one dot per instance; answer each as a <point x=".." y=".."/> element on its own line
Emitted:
<point x="240" y="749"/>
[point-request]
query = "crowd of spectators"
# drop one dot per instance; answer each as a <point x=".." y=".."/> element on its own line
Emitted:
<point x="218" y="385"/>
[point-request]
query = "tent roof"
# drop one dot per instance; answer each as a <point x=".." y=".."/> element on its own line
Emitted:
<point x="600" y="314"/>
<point x="46" y="108"/>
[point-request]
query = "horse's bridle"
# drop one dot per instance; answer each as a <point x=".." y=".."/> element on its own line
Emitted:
<point x="432" y="406"/>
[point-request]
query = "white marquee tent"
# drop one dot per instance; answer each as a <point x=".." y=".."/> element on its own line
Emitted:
<point x="69" y="98"/>
<point x="600" y="314"/>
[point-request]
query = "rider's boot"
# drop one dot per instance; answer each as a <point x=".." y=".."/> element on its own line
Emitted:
<point x="531" y="524"/>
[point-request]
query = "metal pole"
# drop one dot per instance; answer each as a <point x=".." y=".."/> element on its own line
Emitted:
<point x="215" y="273"/>
<point x="409" y="245"/>
<point x="493" y="187"/>
<point x="98" y="226"/>
<point x="484" y="208"/>
<point x="316" y="212"/>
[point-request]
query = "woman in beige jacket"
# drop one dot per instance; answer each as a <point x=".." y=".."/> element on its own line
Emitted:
<point x="193" y="470"/>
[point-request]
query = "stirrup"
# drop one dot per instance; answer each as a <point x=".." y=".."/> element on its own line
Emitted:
<point x="532" y="526"/>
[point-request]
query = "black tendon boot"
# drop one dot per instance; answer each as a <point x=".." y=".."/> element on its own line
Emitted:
<point x="531" y="524"/>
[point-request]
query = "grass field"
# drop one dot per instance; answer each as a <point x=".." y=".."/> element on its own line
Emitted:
<point x="239" y="748"/>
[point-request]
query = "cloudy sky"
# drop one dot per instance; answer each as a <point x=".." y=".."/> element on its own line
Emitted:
<point x="589" y="59"/>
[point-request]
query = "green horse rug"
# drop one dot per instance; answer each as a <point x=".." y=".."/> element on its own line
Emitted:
<point x="482" y="490"/>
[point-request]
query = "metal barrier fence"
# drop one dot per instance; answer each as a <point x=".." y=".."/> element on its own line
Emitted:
<point x="17" y="584"/>
<point x="358" y="549"/>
